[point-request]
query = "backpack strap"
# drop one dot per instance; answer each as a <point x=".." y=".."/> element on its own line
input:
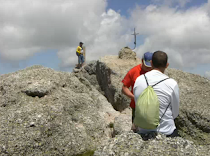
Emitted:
<point x="165" y="111"/>
<point x="168" y="104"/>
<point x="163" y="114"/>
<point x="146" y="80"/>
<point x="159" y="82"/>
<point x="156" y="83"/>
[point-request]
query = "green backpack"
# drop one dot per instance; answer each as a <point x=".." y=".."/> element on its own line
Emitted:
<point x="147" y="108"/>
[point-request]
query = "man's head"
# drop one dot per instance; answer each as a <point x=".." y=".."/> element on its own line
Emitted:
<point x="80" y="43"/>
<point x="146" y="61"/>
<point x="160" y="60"/>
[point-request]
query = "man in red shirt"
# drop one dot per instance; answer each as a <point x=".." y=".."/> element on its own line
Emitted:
<point x="131" y="77"/>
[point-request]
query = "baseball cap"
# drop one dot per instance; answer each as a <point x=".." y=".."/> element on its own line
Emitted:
<point x="81" y="43"/>
<point x="147" y="57"/>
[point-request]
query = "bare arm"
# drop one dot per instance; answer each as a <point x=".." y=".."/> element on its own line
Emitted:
<point x="127" y="92"/>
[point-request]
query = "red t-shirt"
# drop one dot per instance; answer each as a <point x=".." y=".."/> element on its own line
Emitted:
<point x="130" y="79"/>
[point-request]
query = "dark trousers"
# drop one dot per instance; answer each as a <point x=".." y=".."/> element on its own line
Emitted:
<point x="133" y="114"/>
<point x="174" y="134"/>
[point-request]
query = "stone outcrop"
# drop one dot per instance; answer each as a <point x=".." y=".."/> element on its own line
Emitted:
<point x="44" y="112"/>
<point x="127" y="54"/>
<point x="123" y="122"/>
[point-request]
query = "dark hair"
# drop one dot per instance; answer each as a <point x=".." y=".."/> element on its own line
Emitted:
<point x="159" y="59"/>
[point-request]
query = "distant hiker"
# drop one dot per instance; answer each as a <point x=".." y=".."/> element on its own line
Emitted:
<point x="157" y="99"/>
<point x="79" y="53"/>
<point x="131" y="77"/>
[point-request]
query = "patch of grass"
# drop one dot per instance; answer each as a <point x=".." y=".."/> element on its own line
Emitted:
<point x="88" y="153"/>
<point x="111" y="125"/>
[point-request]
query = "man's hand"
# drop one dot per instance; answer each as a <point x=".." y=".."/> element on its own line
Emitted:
<point x="134" y="128"/>
<point x="127" y="92"/>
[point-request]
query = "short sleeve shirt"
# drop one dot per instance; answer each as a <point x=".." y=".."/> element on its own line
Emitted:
<point x="79" y="49"/>
<point x="130" y="78"/>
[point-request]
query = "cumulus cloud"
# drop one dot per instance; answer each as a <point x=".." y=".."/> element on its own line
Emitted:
<point x="28" y="27"/>
<point x="107" y="39"/>
<point x="184" y="35"/>
<point x="207" y="74"/>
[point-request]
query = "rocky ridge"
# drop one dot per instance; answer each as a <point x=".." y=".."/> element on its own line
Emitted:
<point x="46" y="112"/>
<point x="194" y="118"/>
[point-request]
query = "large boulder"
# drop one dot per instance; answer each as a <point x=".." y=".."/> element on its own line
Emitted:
<point x="45" y="112"/>
<point x="127" y="54"/>
<point x="123" y="122"/>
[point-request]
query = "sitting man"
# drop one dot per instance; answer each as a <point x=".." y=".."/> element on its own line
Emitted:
<point x="167" y="93"/>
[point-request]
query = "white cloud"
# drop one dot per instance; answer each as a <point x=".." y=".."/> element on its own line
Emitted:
<point x="207" y="74"/>
<point x="107" y="39"/>
<point x="184" y="35"/>
<point x="28" y="27"/>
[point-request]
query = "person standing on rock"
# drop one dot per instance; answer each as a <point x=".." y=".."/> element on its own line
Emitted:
<point x="131" y="77"/>
<point x="79" y="53"/>
<point x="167" y="92"/>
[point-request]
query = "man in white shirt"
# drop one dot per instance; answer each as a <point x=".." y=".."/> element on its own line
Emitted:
<point x="167" y="92"/>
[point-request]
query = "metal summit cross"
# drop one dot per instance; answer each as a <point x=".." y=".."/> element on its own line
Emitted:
<point x="135" y="34"/>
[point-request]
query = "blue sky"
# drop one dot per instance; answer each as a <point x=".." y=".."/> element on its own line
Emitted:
<point x="57" y="54"/>
<point x="124" y="6"/>
<point x="47" y="58"/>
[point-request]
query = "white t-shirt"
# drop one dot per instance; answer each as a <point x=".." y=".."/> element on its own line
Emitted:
<point x="167" y="92"/>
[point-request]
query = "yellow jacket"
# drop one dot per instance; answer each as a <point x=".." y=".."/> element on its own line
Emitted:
<point x="79" y="50"/>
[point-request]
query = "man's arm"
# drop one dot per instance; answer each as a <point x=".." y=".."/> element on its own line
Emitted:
<point x="126" y="84"/>
<point x="175" y="101"/>
<point x="127" y="92"/>
<point x="78" y="50"/>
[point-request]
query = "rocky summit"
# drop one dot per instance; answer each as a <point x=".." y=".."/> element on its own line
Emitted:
<point x="46" y="112"/>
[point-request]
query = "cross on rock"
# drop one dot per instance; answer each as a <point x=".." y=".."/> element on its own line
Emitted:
<point x="135" y="34"/>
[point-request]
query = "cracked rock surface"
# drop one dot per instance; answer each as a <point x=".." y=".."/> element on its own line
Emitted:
<point x="45" y="112"/>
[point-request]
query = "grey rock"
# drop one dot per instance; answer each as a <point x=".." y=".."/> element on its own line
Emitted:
<point x="45" y="112"/>
<point x="38" y="88"/>
<point x="131" y="144"/>
<point x="110" y="71"/>
<point x="76" y="70"/>
<point x="194" y="117"/>
<point x="107" y="73"/>
<point x="126" y="53"/>
<point x="91" y="68"/>
<point x="89" y="73"/>
<point x="123" y="122"/>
